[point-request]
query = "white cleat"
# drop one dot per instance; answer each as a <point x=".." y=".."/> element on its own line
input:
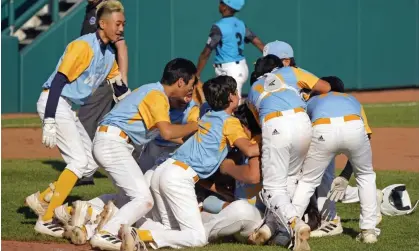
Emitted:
<point x="328" y="228"/>
<point x="35" y="204"/>
<point x="50" y="228"/>
<point x="62" y="215"/>
<point x="79" y="213"/>
<point x="109" y="210"/>
<point x="301" y="236"/>
<point x="367" y="236"/>
<point x="260" y="236"/>
<point x="130" y="239"/>
<point x="379" y="201"/>
<point x="105" y="241"/>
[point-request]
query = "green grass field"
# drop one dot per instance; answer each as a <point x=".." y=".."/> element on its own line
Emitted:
<point x="23" y="177"/>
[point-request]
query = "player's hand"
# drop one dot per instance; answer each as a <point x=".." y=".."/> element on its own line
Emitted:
<point x="338" y="188"/>
<point x="49" y="132"/>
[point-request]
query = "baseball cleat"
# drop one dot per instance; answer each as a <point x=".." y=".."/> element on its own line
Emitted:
<point x="109" y="210"/>
<point x="50" y="228"/>
<point x="367" y="236"/>
<point x="130" y="239"/>
<point x="79" y="214"/>
<point x="105" y="241"/>
<point x="78" y="235"/>
<point x="379" y="201"/>
<point x="301" y="236"/>
<point x="328" y="228"/>
<point x="36" y="204"/>
<point x="260" y="236"/>
<point x="62" y="215"/>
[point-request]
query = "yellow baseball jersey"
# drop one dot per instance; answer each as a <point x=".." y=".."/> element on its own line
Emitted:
<point x="216" y="135"/>
<point x="139" y="112"/>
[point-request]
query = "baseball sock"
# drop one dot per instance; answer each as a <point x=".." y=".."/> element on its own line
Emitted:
<point x="65" y="184"/>
<point x="145" y="235"/>
<point x="46" y="192"/>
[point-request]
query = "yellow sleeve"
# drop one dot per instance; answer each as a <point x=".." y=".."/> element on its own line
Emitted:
<point x="305" y="79"/>
<point x="154" y="108"/>
<point x="193" y="114"/>
<point x="114" y="71"/>
<point x="233" y="130"/>
<point x="364" y="118"/>
<point x="76" y="59"/>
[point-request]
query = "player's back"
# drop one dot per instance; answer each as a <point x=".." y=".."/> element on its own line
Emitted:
<point x="332" y="104"/>
<point x="297" y="77"/>
<point x="205" y="151"/>
<point x="231" y="46"/>
<point x="131" y="117"/>
<point x="268" y="102"/>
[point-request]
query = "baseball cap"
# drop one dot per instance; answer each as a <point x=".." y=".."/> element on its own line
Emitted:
<point x="278" y="48"/>
<point x="234" y="4"/>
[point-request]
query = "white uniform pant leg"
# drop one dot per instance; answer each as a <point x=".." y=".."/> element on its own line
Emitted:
<point x="178" y="189"/>
<point x="324" y="188"/>
<point x="322" y="150"/>
<point x="72" y="139"/>
<point x="115" y="155"/>
<point x="239" y="218"/>
<point x="359" y="153"/>
<point x="240" y="72"/>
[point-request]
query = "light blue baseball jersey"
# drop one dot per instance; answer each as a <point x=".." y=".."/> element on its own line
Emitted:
<point x="297" y="77"/>
<point x="180" y="116"/>
<point x="282" y="100"/>
<point x="205" y="151"/>
<point x="332" y="104"/>
<point x="139" y="112"/>
<point x="86" y="66"/>
<point x="204" y="109"/>
<point x="231" y="46"/>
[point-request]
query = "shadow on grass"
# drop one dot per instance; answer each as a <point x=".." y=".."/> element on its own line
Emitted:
<point x="350" y="232"/>
<point x="29" y="214"/>
<point x="349" y="220"/>
<point x="60" y="165"/>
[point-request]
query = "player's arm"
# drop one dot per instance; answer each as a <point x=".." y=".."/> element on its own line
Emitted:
<point x="119" y="87"/>
<point x="212" y="42"/>
<point x="75" y="61"/>
<point x="192" y="116"/>
<point x="255" y="40"/>
<point x="247" y="173"/>
<point x="122" y="58"/>
<point x="306" y="80"/>
<point x="236" y="137"/>
<point x="365" y="120"/>
<point x="154" y="110"/>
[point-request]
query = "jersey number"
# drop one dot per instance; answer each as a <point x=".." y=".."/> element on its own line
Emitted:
<point x="239" y="43"/>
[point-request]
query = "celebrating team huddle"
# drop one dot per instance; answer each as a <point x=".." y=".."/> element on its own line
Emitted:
<point x="211" y="165"/>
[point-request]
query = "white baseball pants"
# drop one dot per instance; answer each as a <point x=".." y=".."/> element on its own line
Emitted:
<point x="239" y="71"/>
<point x="114" y="153"/>
<point x="329" y="140"/>
<point x="72" y="139"/>
<point x="285" y="142"/>
<point x="173" y="189"/>
<point x="239" y="219"/>
<point x="324" y="188"/>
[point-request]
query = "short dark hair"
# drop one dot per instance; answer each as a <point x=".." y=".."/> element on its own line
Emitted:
<point x="292" y="62"/>
<point x="264" y="65"/>
<point x="336" y="84"/>
<point x="176" y="69"/>
<point x="246" y="117"/>
<point x="231" y="10"/>
<point x="217" y="92"/>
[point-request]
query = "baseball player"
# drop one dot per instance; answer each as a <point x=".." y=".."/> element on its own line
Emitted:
<point x="174" y="180"/>
<point x="338" y="128"/>
<point x="227" y="37"/>
<point x="86" y="62"/>
<point x="286" y="135"/>
<point x="101" y="101"/>
<point x="139" y="118"/>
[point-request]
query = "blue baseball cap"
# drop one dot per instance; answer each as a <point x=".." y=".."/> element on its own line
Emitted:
<point x="279" y="49"/>
<point x="234" y="4"/>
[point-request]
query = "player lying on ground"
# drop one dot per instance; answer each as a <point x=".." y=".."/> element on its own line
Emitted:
<point x="85" y="64"/>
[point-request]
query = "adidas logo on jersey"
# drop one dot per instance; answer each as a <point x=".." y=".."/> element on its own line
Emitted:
<point x="321" y="138"/>
<point x="275" y="132"/>
<point x="271" y="83"/>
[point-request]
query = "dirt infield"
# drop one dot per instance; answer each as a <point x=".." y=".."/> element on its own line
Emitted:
<point x="393" y="149"/>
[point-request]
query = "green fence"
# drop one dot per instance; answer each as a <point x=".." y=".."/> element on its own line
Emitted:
<point x="370" y="44"/>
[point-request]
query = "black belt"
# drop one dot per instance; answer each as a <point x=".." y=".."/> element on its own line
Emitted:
<point x="221" y="65"/>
